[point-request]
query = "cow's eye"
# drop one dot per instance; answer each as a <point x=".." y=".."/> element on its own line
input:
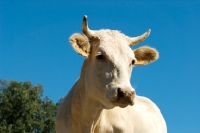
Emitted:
<point x="100" y="57"/>
<point x="133" y="62"/>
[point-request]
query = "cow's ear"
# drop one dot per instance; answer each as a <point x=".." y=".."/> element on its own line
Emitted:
<point x="145" y="55"/>
<point x="80" y="44"/>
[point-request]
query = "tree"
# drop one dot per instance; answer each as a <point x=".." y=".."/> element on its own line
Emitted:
<point x="22" y="109"/>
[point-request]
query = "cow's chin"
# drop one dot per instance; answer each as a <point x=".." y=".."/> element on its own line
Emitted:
<point x="118" y="103"/>
<point x="113" y="104"/>
<point x="122" y="105"/>
<point x="109" y="104"/>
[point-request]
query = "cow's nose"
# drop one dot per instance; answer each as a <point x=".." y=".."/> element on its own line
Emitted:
<point x="125" y="95"/>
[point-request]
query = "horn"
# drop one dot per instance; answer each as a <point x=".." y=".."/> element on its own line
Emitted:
<point x="138" y="39"/>
<point x="89" y="33"/>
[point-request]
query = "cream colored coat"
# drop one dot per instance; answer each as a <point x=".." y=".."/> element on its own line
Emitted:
<point x="102" y="100"/>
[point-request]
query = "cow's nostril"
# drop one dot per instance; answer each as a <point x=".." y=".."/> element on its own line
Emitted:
<point x="120" y="93"/>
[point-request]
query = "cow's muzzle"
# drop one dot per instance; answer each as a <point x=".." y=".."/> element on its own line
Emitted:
<point x="125" y="97"/>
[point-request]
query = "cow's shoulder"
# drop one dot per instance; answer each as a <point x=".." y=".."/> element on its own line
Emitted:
<point x="148" y="115"/>
<point x="144" y="115"/>
<point x="146" y="103"/>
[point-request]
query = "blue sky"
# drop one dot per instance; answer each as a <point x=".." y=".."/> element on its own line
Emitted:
<point x="34" y="46"/>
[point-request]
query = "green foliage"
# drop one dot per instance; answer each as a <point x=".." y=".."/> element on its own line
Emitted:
<point x="22" y="109"/>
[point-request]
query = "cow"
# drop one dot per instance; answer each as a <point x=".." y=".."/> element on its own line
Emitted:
<point x="102" y="100"/>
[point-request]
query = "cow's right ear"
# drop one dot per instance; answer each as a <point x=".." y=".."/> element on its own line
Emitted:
<point x="80" y="44"/>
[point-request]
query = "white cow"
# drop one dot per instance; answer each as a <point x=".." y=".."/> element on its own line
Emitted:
<point x="102" y="100"/>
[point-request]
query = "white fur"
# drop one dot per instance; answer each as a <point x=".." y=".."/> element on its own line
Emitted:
<point x="88" y="107"/>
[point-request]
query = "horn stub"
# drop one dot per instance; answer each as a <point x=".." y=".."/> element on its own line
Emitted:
<point x="89" y="33"/>
<point x="138" y="39"/>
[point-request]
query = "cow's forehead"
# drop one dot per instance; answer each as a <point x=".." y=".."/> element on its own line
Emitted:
<point x="111" y="36"/>
<point x="114" y="44"/>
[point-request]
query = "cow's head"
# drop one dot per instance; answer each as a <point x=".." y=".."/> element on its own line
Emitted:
<point x="109" y="61"/>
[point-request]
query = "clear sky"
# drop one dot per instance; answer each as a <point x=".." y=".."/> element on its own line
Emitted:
<point x="34" y="46"/>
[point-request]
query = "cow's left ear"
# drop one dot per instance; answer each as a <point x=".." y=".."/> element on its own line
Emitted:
<point x="145" y="55"/>
<point x="80" y="44"/>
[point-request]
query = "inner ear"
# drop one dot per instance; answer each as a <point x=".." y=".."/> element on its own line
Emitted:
<point x="80" y="44"/>
<point x="145" y="55"/>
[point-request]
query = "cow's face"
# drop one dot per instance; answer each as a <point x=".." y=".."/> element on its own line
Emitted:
<point x="108" y="65"/>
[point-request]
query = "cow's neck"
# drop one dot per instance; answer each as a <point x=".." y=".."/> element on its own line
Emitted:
<point x="85" y="110"/>
<point x="86" y="113"/>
